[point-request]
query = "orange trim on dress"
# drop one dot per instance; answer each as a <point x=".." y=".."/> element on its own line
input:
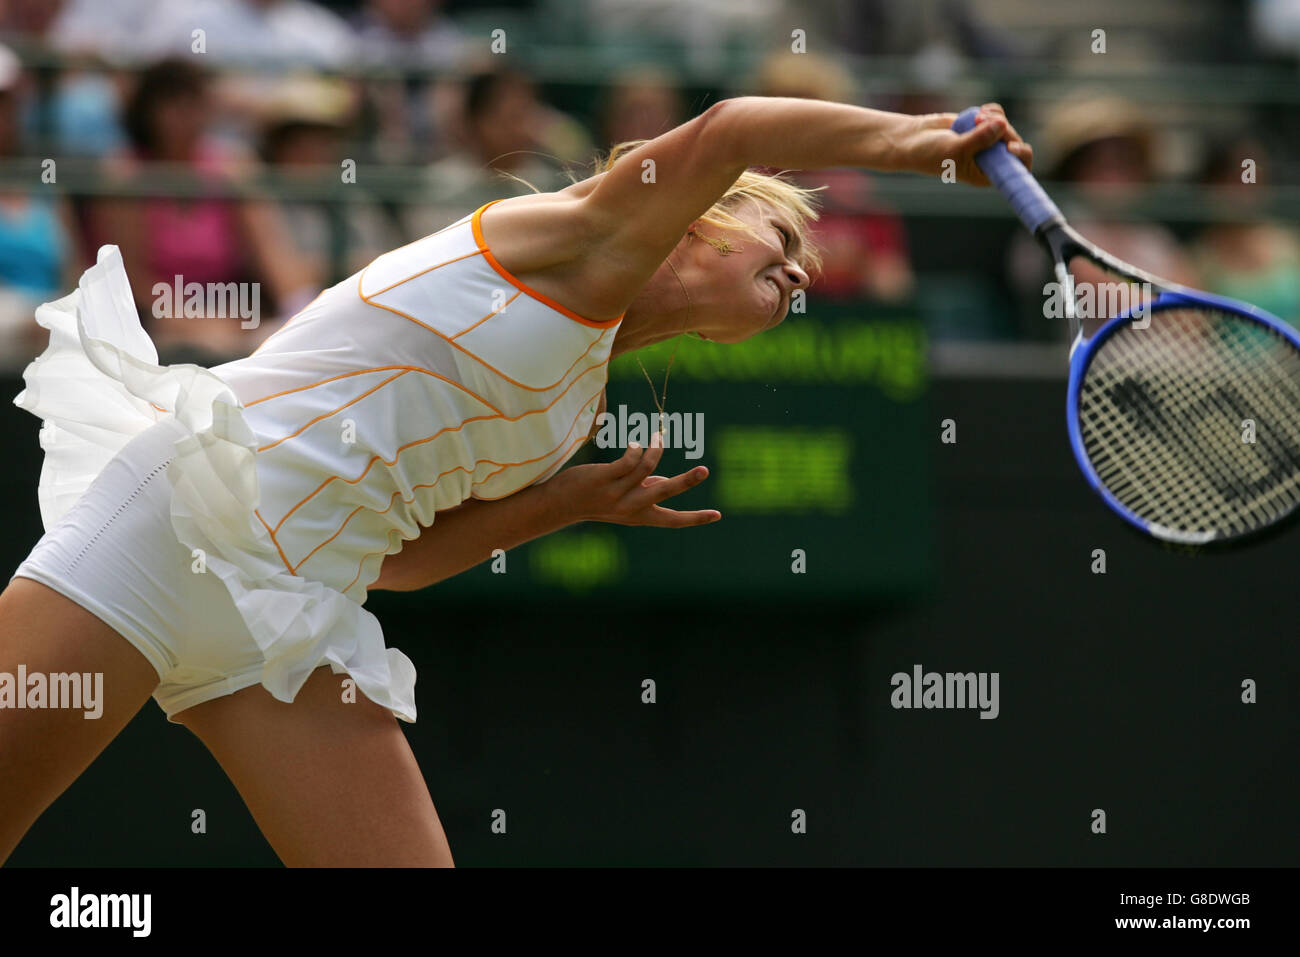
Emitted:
<point x="572" y="446"/>
<point x="496" y="312"/>
<point x="275" y="541"/>
<point x="496" y="498"/>
<point x="326" y="415"/>
<point x="414" y="275"/>
<point x="480" y="242"/>
<point x="458" y="468"/>
<point x="450" y="428"/>
<point x="477" y="358"/>
<point x="345" y="375"/>
<point x="505" y="274"/>
<point x="339" y="532"/>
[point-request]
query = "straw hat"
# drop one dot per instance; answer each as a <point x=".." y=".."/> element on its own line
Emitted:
<point x="1075" y="124"/>
<point x="808" y="75"/>
<point x="313" y="100"/>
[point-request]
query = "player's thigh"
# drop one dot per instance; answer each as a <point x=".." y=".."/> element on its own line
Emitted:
<point x="330" y="782"/>
<point x="44" y="749"/>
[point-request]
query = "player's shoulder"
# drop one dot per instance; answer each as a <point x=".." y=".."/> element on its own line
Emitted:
<point x="557" y="243"/>
<point x="534" y="232"/>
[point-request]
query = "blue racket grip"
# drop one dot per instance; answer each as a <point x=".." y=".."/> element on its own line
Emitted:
<point x="1016" y="184"/>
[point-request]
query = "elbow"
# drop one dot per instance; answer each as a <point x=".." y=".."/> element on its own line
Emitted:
<point x="728" y="105"/>
<point x="722" y="126"/>
<point x="718" y="129"/>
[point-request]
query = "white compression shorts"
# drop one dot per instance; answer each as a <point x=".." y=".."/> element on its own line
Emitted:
<point x="115" y="554"/>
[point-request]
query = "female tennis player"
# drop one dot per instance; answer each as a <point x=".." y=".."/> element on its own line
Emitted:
<point x="212" y="534"/>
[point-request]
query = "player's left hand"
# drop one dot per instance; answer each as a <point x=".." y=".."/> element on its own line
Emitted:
<point x="625" y="492"/>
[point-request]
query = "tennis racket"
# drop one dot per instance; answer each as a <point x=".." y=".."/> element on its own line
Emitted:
<point x="1183" y="412"/>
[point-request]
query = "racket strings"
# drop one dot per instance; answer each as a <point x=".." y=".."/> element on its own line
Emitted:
<point x="1166" y="413"/>
<point x="1197" y="417"/>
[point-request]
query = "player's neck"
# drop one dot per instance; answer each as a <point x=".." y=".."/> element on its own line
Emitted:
<point x="658" y="313"/>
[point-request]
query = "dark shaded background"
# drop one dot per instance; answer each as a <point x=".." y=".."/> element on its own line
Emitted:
<point x="1119" y="691"/>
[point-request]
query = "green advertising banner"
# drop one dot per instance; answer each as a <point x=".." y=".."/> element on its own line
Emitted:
<point x="816" y="436"/>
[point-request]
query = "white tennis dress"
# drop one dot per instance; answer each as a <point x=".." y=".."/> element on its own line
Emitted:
<point x="430" y="377"/>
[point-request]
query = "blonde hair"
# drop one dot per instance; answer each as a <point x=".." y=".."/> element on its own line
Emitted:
<point x="770" y="189"/>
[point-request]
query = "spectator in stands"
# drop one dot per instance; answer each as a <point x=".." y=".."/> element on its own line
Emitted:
<point x="203" y="239"/>
<point x="702" y="32"/>
<point x="38" y="258"/>
<point x="77" y="111"/>
<point x="863" y="243"/>
<point x="641" y="103"/>
<point x="1105" y="149"/>
<point x="1244" y="255"/>
<point x="925" y="31"/>
<point x="80" y="115"/>
<point x="413" y="111"/>
<point x="271" y="34"/>
<point x="506" y="134"/>
<point x="408" y="33"/>
<point x="110" y="30"/>
<point x="301" y="140"/>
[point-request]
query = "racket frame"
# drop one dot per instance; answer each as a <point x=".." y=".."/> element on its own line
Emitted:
<point x="1082" y="356"/>
<point x="1047" y="224"/>
<point x="1063" y="243"/>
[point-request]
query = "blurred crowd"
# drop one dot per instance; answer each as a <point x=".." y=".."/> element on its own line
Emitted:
<point x="247" y="141"/>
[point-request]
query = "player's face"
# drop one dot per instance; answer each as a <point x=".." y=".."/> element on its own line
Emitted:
<point x="747" y="291"/>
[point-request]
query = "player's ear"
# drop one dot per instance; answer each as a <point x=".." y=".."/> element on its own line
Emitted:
<point x="690" y="236"/>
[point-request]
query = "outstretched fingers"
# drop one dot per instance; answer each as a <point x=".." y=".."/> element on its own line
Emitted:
<point x="671" y="518"/>
<point x="637" y="491"/>
<point x="657" y="488"/>
<point x="660" y="487"/>
<point x="637" y="463"/>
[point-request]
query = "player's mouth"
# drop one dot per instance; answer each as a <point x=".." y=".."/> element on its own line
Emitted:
<point x="780" y="296"/>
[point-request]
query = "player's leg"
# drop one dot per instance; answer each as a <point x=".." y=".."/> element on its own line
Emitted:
<point x="330" y="783"/>
<point x="43" y="750"/>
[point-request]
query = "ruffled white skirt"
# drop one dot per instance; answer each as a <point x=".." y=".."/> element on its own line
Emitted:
<point x="97" y="386"/>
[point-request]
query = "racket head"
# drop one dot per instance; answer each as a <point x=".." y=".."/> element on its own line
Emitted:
<point x="1158" y="426"/>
